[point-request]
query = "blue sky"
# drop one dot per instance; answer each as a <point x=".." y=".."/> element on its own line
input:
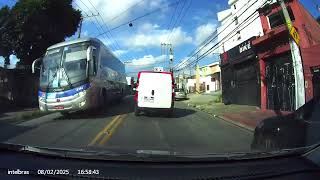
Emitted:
<point x="140" y="44"/>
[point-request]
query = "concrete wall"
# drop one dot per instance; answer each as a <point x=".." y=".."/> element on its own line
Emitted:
<point x="213" y="85"/>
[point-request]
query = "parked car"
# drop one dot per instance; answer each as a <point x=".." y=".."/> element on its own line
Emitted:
<point x="298" y="129"/>
<point x="154" y="92"/>
<point x="180" y="94"/>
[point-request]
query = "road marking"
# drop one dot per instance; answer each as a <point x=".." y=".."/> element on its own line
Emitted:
<point x="112" y="130"/>
<point x="104" y="130"/>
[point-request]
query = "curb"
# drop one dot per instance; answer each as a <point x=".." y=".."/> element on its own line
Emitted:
<point x="248" y="128"/>
<point x="251" y="129"/>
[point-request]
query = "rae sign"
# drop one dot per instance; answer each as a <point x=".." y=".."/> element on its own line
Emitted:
<point x="245" y="46"/>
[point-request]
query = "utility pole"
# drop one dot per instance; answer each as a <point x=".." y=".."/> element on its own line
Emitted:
<point x="166" y="46"/>
<point x="296" y="58"/>
<point x="81" y="20"/>
<point x="197" y="77"/>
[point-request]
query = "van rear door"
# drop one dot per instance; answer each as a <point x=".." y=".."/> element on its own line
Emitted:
<point x="155" y="90"/>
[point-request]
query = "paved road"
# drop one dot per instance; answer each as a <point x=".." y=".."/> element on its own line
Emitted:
<point x="117" y="128"/>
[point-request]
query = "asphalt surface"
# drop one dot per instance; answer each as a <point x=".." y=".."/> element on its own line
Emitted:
<point x="117" y="128"/>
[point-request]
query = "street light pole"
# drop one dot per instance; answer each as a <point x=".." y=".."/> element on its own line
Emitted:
<point x="296" y="58"/>
<point x="80" y="26"/>
<point x="81" y="20"/>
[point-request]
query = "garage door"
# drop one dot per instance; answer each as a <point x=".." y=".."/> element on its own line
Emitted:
<point x="247" y="83"/>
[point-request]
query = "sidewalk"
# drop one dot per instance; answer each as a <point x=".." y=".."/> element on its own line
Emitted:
<point x="244" y="116"/>
<point x="11" y="113"/>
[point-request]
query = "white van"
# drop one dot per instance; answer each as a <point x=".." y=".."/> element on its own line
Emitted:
<point x="154" y="91"/>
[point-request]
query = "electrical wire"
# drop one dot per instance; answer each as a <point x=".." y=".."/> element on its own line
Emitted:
<point x="113" y="44"/>
<point x="139" y="17"/>
<point x="97" y="27"/>
<point x="221" y="32"/>
<point x="182" y="16"/>
<point x="207" y="41"/>
<point x="111" y="36"/>
<point x="173" y="15"/>
<point x="224" y="39"/>
<point x="117" y="16"/>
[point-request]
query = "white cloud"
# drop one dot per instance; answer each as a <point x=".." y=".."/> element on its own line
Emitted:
<point x="151" y="36"/>
<point x="114" y="12"/>
<point x="120" y="52"/>
<point x="203" y="31"/>
<point x="85" y="33"/>
<point x="146" y="61"/>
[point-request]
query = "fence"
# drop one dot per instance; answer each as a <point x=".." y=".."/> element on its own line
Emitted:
<point x="19" y="86"/>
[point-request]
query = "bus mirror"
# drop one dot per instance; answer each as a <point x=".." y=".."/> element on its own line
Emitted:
<point x="34" y="65"/>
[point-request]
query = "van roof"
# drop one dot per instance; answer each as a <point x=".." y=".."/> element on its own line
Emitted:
<point x="164" y="72"/>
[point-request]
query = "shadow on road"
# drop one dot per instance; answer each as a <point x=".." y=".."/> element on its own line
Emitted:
<point x="177" y="113"/>
<point x="125" y="106"/>
<point x="185" y="99"/>
<point x="8" y="130"/>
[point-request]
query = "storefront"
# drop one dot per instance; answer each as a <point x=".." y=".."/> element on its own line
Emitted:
<point x="240" y="75"/>
<point x="316" y="81"/>
<point x="285" y="87"/>
<point x="277" y="73"/>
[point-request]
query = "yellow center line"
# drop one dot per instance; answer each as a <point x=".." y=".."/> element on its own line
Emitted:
<point x="104" y="130"/>
<point x="111" y="132"/>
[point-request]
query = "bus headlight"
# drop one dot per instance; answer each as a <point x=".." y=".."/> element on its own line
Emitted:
<point x="41" y="99"/>
<point x="82" y="103"/>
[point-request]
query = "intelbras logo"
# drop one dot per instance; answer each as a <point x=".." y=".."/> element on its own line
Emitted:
<point x="17" y="172"/>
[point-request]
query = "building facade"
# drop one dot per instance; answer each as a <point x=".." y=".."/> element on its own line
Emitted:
<point x="257" y="68"/>
<point x="240" y="75"/>
<point x="240" y="25"/>
<point x="278" y="80"/>
<point x="240" y="22"/>
<point x="209" y="79"/>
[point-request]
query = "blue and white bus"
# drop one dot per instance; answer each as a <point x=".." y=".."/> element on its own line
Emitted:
<point x="79" y="74"/>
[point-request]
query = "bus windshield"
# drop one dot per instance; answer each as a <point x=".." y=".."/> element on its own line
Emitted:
<point x="64" y="66"/>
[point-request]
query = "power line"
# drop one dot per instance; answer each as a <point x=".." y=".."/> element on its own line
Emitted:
<point x="147" y="14"/>
<point x="173" y="15"/>
<point x="222" y="31"/>
<point x="111" y="35"/>
<point x="117" y="16"/>
<point x="210" y="38"/>
<point x="216" y="45"/>
<point x="182" y="16"/>
<point x="97" y="25"/>
<point x="173" y="19"/>
<point x="106" y="36"/>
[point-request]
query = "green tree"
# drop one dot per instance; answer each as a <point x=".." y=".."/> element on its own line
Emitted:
<point x="5" y="27"/>
<point x="318" y="19"/>
<point x="39" y="24"/>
